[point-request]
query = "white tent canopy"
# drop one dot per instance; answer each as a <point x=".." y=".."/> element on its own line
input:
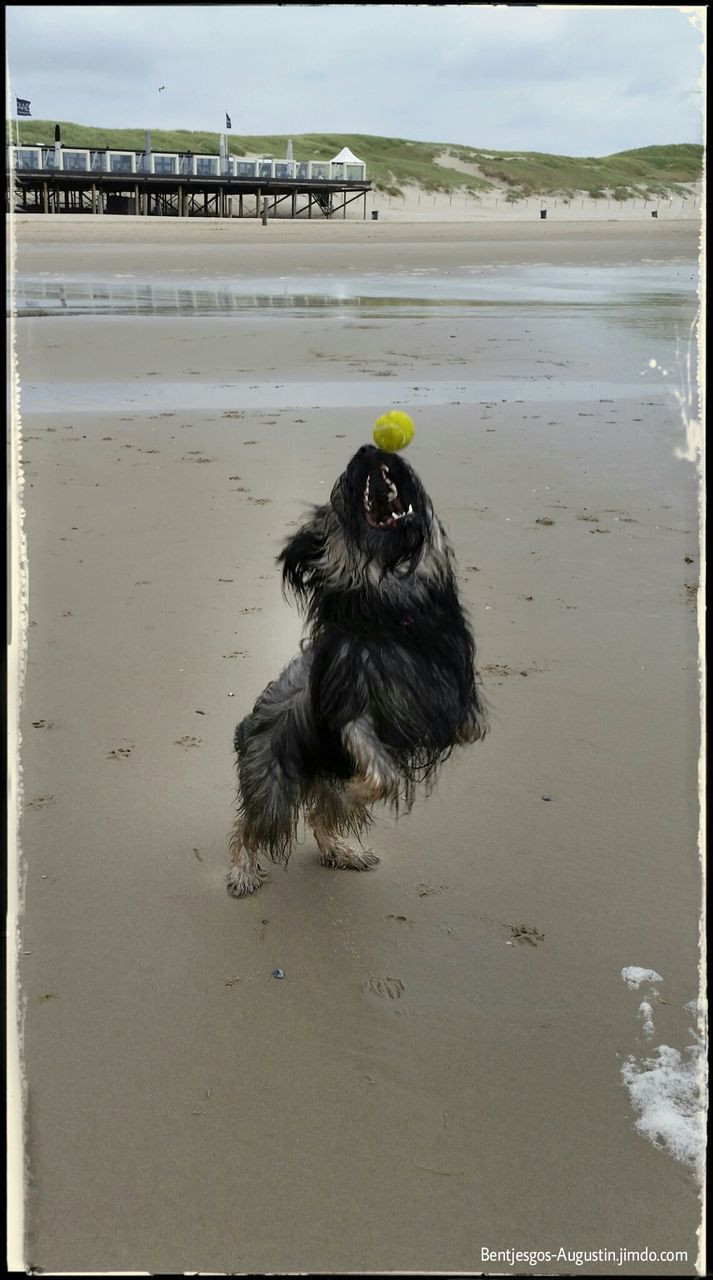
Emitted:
<point x="346" y="157"/>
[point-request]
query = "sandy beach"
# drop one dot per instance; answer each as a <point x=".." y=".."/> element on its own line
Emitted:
<point x="441" y="1071"/>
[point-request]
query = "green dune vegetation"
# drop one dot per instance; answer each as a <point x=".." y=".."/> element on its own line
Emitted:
<point x="395" y="163"/>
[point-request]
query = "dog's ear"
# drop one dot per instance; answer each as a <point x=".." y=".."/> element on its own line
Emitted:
<point x="300" y="555"/>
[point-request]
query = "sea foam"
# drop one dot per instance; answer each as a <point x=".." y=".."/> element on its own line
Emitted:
<point x="668" y="1090"/>
<point x="633" y="976"/>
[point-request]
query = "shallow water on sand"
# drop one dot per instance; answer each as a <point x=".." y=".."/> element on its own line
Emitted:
<point x="613" y="317"/>
<point x="668" y="285"/>
<point x="158" y="395"/>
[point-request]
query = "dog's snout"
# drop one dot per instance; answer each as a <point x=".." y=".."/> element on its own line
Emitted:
<point x="366" y="448"/>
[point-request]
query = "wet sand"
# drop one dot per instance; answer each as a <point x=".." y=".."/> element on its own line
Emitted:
<point x="439" y="1071"/>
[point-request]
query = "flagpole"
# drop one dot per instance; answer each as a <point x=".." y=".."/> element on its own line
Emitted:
<point x="228" y="127"/>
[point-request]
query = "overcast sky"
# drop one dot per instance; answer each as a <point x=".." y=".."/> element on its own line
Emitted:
<point x="574" y="80"/>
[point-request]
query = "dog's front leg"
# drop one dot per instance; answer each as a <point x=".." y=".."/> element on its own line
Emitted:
<point x="375" y="777"/>
<point x="245" y="874"/>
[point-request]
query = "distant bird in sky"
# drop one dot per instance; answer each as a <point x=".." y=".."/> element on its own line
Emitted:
<point x="161" y="88"/>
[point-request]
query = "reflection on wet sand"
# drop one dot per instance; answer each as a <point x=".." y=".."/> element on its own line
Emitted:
<point x="627" y="287"/>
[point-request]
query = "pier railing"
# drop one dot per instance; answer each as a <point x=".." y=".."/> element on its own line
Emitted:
<point x="100" y="160"/>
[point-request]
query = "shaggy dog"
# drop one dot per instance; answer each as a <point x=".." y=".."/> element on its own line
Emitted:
<point x="384" y="686"/>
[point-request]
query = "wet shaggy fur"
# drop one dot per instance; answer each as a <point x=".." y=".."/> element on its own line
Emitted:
<point x="384" y="686"/>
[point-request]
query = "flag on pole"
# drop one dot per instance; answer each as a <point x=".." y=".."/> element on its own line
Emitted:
<point x="228" y="122"/>
<point x="23" y="106"/>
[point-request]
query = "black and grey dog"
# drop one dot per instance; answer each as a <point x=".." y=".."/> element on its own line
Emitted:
<point x="384" y="686"/>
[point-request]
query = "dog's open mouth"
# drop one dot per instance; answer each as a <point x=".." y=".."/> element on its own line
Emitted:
<point x="383" y="507"/>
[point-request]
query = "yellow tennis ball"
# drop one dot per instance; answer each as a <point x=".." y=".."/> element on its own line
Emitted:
<point x="393" y="431"/>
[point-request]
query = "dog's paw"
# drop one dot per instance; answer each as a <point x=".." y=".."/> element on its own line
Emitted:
<point x="241" y="881"/>
<point x="473" y="729"/>
<point x="341" y="855"/>
<point x="367" y="789"/>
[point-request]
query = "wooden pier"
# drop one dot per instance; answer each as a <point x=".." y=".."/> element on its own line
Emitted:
<point x="47" y="190"/>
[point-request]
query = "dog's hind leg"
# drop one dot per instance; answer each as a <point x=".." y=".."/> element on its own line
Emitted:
<point x="270" y="746"/>
<point x="245" y="874"/>
<point x="332" y="816"/>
